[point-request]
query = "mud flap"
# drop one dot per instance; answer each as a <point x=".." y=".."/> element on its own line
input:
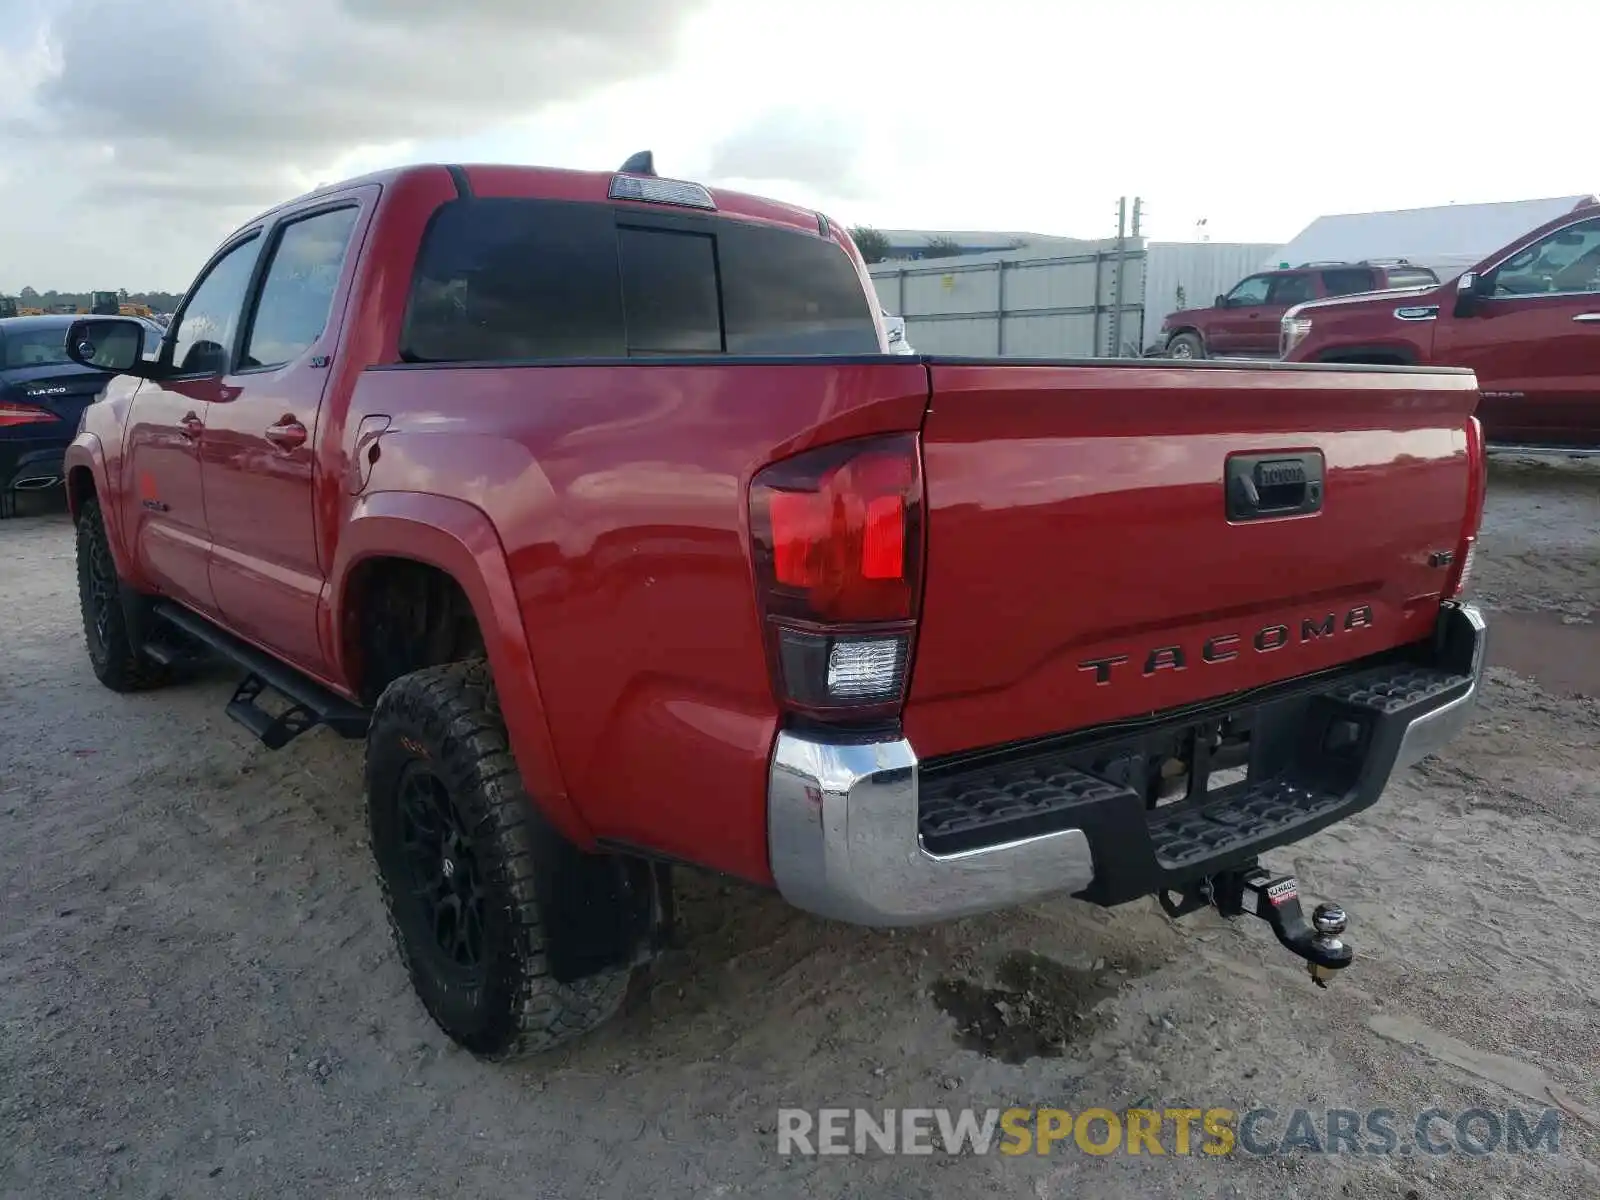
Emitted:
<point x="599" y="910"/>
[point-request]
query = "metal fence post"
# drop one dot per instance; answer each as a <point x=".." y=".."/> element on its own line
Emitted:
<point x="1099" y="272"/>
<point x="1000" y="307"/>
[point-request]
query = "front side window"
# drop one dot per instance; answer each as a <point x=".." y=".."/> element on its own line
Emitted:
<point x="1565" y="261"/>
<point x="297" y="293"/>
<point x="210" y="320"/>
<point x="1249" y="292"/>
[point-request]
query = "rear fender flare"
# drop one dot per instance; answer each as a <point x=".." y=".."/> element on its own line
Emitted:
<point x="460" y="540"/>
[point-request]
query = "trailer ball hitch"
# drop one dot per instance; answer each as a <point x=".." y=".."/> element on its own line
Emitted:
<point x="1275" y="899"/>
<point x="1253" y="890"/>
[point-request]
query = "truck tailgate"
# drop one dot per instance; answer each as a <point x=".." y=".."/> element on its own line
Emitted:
<point x="1084" y="565"/>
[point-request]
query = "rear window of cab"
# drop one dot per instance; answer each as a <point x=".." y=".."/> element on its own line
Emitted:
<point x="505" y="280"/>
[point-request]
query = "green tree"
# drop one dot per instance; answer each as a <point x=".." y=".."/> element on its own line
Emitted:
<point x="941" y="247"/>
<point x="873" y="243"/>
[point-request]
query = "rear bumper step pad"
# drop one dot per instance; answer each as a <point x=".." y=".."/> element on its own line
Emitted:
<point x="1314" y="757"/>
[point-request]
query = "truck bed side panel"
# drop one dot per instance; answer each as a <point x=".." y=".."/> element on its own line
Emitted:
<point x="620" y="493"/>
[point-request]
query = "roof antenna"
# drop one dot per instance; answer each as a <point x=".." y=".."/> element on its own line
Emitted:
<point x="642" y="163"/>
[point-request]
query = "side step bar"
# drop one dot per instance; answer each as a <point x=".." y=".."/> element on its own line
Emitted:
<point x="311" y="704"/>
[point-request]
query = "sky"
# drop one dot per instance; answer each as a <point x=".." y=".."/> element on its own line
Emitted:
<point x="135" y="135"/>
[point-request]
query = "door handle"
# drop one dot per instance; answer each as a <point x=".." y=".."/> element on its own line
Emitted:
<point x="1273" y="485"/>
<point x="192" y="426"/>
<point x="1587" y="317"/>
<point x="288" y="434"/>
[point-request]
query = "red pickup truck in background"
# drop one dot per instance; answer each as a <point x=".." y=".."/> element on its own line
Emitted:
<point x="597" y="506"/>
<point x="1244" y="323"/>
<point x="1526" y="320"/>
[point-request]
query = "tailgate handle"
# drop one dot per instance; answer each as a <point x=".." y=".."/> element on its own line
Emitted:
<point x="1273" y="485"/>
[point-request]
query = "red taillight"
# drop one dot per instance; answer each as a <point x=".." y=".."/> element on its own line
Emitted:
<point x="838" y="554"/>
<point x="1477" y="493"/>
<point x="12" y="413"/>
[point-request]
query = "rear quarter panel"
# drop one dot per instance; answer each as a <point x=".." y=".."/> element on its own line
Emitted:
<point x="619" y="493"/>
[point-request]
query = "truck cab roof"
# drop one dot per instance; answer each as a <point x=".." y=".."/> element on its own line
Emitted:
<point x="495" y="180"/>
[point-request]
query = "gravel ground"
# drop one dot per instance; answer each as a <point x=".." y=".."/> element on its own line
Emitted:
<point x="198" y="996"/>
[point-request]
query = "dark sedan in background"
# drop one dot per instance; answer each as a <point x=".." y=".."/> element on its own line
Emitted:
<point x="42" y="394"/>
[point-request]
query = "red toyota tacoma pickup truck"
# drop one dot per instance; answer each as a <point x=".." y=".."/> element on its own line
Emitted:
<point x="597" y="506"/>
<point x="1526" y="320"/>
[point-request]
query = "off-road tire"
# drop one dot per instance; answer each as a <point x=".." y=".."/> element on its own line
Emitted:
<point x="1190" y="342"/>
<point x="117" y="662"/>
<point x="443" y="723"/>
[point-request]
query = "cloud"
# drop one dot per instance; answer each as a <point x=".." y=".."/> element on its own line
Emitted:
<point x="199" y="113"/>
<point x="821" y="152"/>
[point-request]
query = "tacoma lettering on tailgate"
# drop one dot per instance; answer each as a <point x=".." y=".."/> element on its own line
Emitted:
<point x="1222" y="647"/>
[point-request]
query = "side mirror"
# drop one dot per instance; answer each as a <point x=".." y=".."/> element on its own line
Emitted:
<point x="1222" y="301"/>
<point x="108" y="344"/>
<point x="1470" y="289"/>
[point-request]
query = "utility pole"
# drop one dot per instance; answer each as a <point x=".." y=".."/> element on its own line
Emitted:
<point x="1142" y="276"/>
<point x="1114" y="325"/>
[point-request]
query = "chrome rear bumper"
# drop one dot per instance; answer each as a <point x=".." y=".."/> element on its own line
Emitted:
<point x="843" y="819"/>
<point x="842" y="832"/>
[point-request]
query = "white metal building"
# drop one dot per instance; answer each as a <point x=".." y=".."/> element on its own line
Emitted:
<point x="1085" y="299"/>
<point x="1449" y="238"/>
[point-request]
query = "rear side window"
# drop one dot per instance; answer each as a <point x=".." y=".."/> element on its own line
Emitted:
<point x="297" y="294"/>
<point x="508" y="279"/>
<point x="1290" y="289"/>
<point x="789" y="293"/>
<point x="1348" y="281"/>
